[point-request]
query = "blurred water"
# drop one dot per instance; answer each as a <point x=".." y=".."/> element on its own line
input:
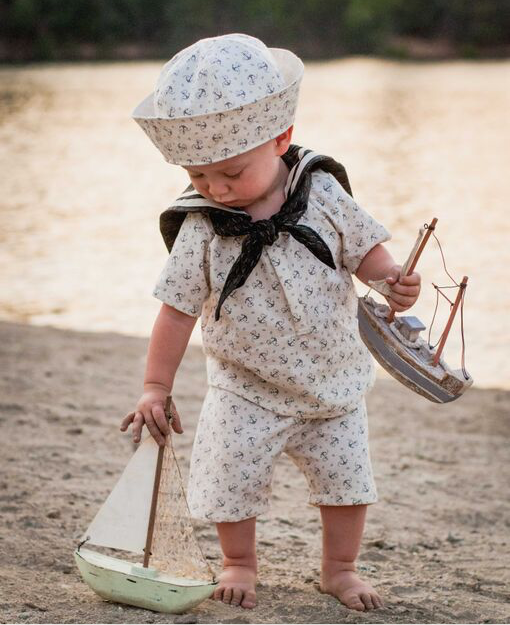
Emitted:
<point x="81" y="187"/>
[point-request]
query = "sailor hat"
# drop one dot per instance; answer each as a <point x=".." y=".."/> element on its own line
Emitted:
<point x="220" y="97"/>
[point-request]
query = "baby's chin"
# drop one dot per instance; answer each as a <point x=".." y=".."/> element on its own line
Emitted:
<point x="237" y="203"/>
<point x="233" y="203"/>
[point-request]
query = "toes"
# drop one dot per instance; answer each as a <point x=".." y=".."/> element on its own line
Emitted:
<point x="378" y="602"/>
<point x="355" y="603"/>
<point x="218" y="593"/>
<point x="367" y="600"/>
<point x="249" y="600"/>
<point x="227" y="595"/>
<point x="237" y="595"/>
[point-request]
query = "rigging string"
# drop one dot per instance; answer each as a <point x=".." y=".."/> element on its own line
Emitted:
<point x="439" y="292"/>
<point x="183" y="492"/>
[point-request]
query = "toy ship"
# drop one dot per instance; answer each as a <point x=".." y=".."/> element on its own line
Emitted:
<point x="147" y="513"/>
<point x="396" y="344"/>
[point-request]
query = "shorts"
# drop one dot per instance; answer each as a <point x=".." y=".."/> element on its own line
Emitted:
<point x="237" y="443"/>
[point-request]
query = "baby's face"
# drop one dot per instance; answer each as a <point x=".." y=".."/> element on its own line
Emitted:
<point x="244" y="179"/>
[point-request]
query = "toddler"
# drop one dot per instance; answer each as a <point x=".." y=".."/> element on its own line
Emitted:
<point x="262" y="246"/>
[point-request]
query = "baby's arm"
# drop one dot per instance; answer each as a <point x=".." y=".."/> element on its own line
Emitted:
<point x="169" y="339"/>
<point x="378" y="264"/>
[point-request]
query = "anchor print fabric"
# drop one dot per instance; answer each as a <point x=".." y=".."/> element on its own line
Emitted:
<point x="288" y="339"/>
<point x="237" y="444"/>
<point x="215" y="75"/>
<point x="219" y="98"/>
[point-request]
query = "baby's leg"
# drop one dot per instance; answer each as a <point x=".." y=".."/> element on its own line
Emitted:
<point x="238" y="579"/>
<point x="334" y="455"/>
<point x="342" y="529"/>
<point x="231" y="470"/>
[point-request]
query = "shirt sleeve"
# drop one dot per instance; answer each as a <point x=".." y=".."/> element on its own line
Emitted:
<point x="359" y="231"/>
<point x="184" y="282"/>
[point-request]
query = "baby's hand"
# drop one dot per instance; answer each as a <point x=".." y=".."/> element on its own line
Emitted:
<point x="150" y="410"/>
<point x="404" y="289"/>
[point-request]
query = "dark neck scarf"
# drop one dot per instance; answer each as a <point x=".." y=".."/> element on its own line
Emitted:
<point x="236" y="222"/>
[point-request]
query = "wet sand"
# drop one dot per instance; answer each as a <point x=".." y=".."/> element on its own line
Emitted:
<point x="436" y="544"/>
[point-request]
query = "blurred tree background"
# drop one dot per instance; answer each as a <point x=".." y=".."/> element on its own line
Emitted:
<point x="315" y="29"/>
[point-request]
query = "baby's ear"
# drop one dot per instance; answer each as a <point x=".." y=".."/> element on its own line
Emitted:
<point x="283" y="141"/>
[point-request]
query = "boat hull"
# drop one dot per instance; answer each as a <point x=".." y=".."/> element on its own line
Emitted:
<point x="437" y="384"/>
<point x="117" y="580"/>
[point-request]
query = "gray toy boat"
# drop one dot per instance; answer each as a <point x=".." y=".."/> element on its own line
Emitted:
<point x="396" y="344"/>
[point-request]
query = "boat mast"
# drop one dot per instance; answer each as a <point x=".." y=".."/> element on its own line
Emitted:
<point x="154" y="505"/>
<point x="444" y="336"/>
<point x="155" y="492"/>
<point x="412" y="266"/>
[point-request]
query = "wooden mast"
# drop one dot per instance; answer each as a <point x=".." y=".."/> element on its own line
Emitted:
<point x="412" y="266"/>
<point x="444" y="336"/>
<point x="155" y="491"/>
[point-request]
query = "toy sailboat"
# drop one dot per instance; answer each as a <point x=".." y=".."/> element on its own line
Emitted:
<point x="147" y="513"/>
<point x="395" y="342"/>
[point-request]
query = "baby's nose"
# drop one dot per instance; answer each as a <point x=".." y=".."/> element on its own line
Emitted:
<point x="218" y="189"/>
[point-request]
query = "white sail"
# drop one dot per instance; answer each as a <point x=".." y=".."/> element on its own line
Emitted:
<point x="122" y="520"/>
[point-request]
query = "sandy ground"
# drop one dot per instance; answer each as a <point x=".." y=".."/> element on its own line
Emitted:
<point x="436" y="545"/>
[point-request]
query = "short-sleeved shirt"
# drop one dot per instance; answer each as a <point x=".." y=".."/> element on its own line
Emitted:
<point x="287" y="339"/>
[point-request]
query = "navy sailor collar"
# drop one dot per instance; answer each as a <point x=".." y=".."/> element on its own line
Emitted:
<point x="299" y="160"/>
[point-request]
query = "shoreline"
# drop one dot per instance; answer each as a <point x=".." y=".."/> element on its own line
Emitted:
<point x="411" y="137"/>
<point x="396" y="47"/>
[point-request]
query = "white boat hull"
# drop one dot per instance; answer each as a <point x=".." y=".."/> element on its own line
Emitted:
<point x="120" y="581"/>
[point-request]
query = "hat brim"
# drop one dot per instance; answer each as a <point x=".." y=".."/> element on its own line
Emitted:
<point x="213" y="137"/>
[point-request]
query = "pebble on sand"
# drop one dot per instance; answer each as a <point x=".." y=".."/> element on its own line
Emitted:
<point x="186" y="618"/>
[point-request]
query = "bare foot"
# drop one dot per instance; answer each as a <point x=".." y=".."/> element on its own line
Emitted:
<point x="237" y="586"/>
<point x="346" y="586"/>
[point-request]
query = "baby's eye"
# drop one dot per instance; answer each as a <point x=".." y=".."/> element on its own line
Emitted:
<point x="234" y="175"/>
<point x="195" y="175"/>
